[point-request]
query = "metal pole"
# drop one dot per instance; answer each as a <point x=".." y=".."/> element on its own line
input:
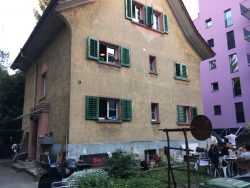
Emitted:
<point x="187" y="158"/>
<point x="170" y="170"/>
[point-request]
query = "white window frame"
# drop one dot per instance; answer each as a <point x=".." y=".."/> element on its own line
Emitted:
<point x="137" y="10"/>
<point x="109" y="108"/>
<point x="156" y="21"/>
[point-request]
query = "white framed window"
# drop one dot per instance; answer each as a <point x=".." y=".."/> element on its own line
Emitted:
<point x="156" y="21"/>
<point x="137" y="13"/>
<point x="108" y="53"/>
<point x="154" y="112"/>
<point x="108" y="109"/>
<point x="152" y="65"/>
<point x="181" y="71"/>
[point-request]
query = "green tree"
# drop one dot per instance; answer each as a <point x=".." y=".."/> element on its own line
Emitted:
<point x="11" y="99"/>
<point x="42" y="5"/>
<point x="122" y="165"/>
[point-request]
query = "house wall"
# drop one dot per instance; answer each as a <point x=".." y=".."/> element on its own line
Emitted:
<point x="57" y="58"/>
<point x="222" y="74"/>
<point x="105" y="20"/>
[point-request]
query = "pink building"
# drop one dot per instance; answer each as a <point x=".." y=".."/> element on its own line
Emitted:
<point x="225" y="78"/>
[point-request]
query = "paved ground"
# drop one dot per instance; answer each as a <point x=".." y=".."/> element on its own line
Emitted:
<point x="10" y="178"/>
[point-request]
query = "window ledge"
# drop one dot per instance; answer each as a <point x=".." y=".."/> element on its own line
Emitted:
<point x="153" y="73"/>
<point x="155" y="122"/>
<point x="110" y="64"/>
<point x="145" y="26"/>
<point x="181" y="123"/>
<point x="108" y="121"/>
<point x="237" y="96"/>
<point x="181" y="79"/>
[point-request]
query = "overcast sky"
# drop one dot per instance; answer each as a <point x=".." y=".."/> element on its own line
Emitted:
<point x="17" y="22"/>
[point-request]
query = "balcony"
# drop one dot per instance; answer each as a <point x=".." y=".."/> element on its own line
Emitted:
<point x="245" y="8"/>
<point x="247" y="33"/>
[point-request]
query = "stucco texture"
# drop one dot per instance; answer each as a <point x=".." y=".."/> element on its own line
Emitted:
<point x="57" y="58"/>
<point x="105" y="20"/>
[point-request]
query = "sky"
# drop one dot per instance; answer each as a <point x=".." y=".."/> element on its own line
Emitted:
<point x="17" y="22"/>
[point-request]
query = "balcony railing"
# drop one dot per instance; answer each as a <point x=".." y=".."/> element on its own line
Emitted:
<point x="245" y="8"/>
<point x="247" y="33"/>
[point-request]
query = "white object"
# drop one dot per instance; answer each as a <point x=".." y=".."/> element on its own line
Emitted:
<point x="231" y="139"/>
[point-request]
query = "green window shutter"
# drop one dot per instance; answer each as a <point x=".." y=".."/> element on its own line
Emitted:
<point x="184" y="71"/>
<point x="165" y="23"/>
<point x="125" y="57"/>
<point x="193" y="112"/>
<point x="149" y="16"/>
<point x="128" y="9"/>
<point x="181" y="114"/>
<point x="93" y="48"/>
<point x="177" y="69"/>
<point x="126" y="110"/>
<point x="92" y="108"/>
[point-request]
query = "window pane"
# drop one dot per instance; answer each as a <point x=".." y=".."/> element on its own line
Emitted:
<point x="178" y="69"/>
<point x="248" y="59"/>
<point x="215" y="86"/>
<point x="156" y="21"/>
<point x="152" y="64"/>
<point x="137" y="13"/>
<point x="112" y="109"/>
<point x="217" y="110"/>
<point x="103" y="108"/>
<point x="230" y="40"/>
<point x="233" y="63"/>
<point x="239" y="110"/>
<point x="236" y="87"/>
<point x="212" y="64"/>
<point x="209" y="22"/>
<point x="228" y="18"/>
<point x="210" y="43"/>
<point x="154" y="112"/>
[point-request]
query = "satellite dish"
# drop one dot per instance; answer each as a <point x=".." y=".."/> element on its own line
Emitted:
<point x="201" y="127"/>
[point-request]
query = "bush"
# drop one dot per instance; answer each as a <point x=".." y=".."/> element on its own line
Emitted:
<point x="122" y="165"/>
<point x="91" y="178"/>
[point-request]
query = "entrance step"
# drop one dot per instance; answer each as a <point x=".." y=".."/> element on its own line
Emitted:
<point x="27" y="166"/>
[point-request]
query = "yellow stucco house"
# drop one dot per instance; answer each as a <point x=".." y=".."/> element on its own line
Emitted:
<point x="108" y="74"/>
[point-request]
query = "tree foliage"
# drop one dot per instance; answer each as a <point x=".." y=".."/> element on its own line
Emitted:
<point x="11" y="99"/>
<point x="122" y="165"/>
<point x="42" y="5"/>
